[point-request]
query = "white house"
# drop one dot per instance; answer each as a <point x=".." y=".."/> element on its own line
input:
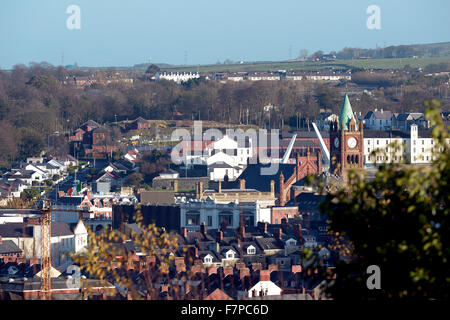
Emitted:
<point x="378" y="120"/>
<point x="81" y="236"/>
<point x="264" y="288"/>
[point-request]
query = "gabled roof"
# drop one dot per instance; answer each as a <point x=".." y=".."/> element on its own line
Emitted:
<point x="9" y="247"/>
<point x="218" y="295"/>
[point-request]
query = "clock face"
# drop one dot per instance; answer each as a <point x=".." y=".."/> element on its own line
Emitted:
<point x="352" y="142"/>
<point x="336" y="142"/>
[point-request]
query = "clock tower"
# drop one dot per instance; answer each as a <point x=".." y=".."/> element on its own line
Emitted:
<point x="346" y="141"/>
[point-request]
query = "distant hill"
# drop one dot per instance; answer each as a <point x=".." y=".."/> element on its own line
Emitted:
<point x="392" y="57"/>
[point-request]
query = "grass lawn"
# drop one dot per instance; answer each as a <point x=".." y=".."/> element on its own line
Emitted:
<point x="394" y="63"/>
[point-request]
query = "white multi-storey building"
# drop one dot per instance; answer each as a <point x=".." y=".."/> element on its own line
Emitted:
<point x="415" y="147"/>
<point x="226" y="156"/>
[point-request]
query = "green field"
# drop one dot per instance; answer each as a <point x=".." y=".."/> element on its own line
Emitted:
<point x="394" y="63"/>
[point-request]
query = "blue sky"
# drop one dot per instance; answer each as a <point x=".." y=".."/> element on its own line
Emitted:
<point x="123" y="33"/>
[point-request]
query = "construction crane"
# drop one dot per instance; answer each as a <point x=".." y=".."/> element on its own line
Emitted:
<point x="46" y="246"/>
<point x="46" y="249"/>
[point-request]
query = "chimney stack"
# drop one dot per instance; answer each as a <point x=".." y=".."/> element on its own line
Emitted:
<point x="264" y="275"/>
<point x="272" y="187"/>
<point x="278" y="233"/>
<point x="272" y="267"/>
<point x="242" y="231"/>
<point x="284" y="224"/>
<point x="219" y="235"/>
<point x="244" y="272"/>
<point x="212" y="270"/>
<point x="242" y="184"/>
<point x="297" y="228"/>
<point x="282" y="195"/>
<point x="220" y="186"/>
<point x="175" y="185"/>
<point x="203" y="228"/>
<point x="262" y="226"/>
<point x="184" y="232"/>
<point x="228" y="271"/>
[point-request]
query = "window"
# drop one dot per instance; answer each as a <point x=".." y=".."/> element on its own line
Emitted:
<point x="209" y="221"/>
<point x="423" y="141"/>
<point x="387" y="141"/>
<point x="193" y="218"/>
<point x="249" y="219"/>
<point x="208" y="260"/>
<point x="368" y="141"/>
<point x="368" y="149"/>
<point x="230" y="255"/>
<point x="423" y="150"/>
<point x="414" y="142"/>
<point x="226" y="217"/>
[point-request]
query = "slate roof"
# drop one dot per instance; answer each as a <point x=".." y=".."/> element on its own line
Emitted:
<point x="15" y="230"/>
<point x="386" y="134"/>
<point x="385" y="115"/>
<point x="309" y="201"/>
<point x="255" y="180"/>
<point x="269" y="243"/>
<point x="8" y="247"/>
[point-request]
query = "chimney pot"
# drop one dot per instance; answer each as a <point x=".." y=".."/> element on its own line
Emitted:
<point x="296" y="268"/>
<point x="242" y="184"/>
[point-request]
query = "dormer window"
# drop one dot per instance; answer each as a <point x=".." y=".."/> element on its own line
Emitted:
<point x="251" y="250"/>
<point x="230" y="255"/>
<point x="208" y="259"/>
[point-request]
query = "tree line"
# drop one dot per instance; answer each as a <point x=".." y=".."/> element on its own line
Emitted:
<point x="37" y="106"/>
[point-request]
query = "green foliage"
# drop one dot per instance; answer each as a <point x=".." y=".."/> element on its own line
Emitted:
<point x="106" y="258"/>
<point x="31" y="193"/>
<point x="398" y="221"/>
<point x="134" y="180"/>
<point x="153" y="68"/>
<point x="31" y="142"/>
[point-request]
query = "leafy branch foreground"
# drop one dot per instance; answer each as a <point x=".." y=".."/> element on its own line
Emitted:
<point x="399" y="221"/>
